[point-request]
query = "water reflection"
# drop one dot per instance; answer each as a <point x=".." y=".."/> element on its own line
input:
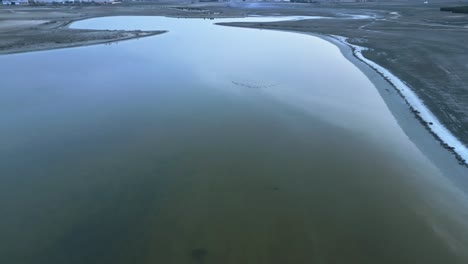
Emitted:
<point x="211" y="144"/>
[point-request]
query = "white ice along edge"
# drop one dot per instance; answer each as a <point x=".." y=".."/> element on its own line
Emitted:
<point x="414" y="101"/>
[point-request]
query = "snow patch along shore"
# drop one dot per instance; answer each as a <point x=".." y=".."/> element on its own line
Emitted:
<point x="416" y="104"/>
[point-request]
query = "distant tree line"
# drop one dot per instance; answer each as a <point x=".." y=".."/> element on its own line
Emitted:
<point x="456" y="9"/>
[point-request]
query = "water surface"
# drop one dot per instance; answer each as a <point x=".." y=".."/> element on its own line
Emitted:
<point x="211" y="144"/>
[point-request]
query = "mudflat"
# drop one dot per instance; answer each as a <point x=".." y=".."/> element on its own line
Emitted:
<point x="32" y="29"/>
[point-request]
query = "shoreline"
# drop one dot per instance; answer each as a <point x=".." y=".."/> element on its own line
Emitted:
<point x="57" y="46"/>
<point x="52" y="34"/>
<point x="426" y="141"/>
<point x="421" y="112"/>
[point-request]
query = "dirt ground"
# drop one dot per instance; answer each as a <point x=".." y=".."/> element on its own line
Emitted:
<point x="24" y="29"/>
<point x="423" y="46"/>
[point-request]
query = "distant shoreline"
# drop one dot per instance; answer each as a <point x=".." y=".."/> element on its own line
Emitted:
<point x="416" y="131"/>
<point x="49" y="35"/>
<point x="415" y="128"/>
<point x="421" y="112"/>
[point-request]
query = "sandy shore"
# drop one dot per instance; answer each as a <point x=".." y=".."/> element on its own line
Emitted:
<point x="25" y="29"/>
<point x="416" y="131"/>
<point x="72" y="38"/>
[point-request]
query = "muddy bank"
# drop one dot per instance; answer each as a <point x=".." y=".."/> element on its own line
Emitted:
<point x="65" y="38"/>
<point x="29" y="35"/>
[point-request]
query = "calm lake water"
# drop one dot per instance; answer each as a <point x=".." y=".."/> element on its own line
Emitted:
<point x="211" y="144"/>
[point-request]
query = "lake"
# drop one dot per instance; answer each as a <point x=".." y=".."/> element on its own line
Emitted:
<point x="211" y="144"/>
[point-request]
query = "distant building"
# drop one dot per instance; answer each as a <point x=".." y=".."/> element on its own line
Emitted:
<point x="16" y="2"/>
<point x="73" y="1"/>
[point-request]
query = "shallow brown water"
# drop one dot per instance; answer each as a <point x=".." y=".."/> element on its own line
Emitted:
<point x="212" y="145"/>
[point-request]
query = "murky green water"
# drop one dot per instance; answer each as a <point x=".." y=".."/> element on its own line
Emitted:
<point x="211" y="144"/>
